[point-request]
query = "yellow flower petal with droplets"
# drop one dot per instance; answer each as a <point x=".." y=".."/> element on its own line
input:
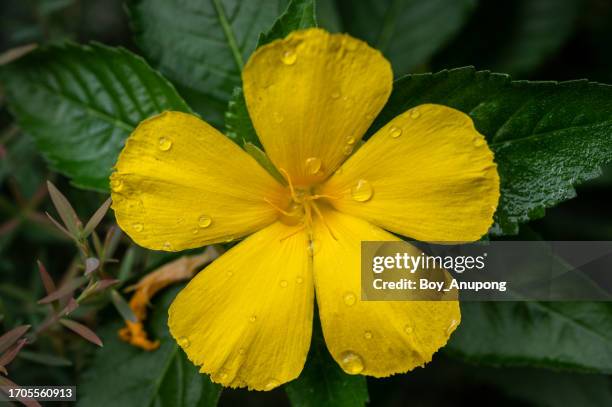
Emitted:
<point x="428" y="174"/>
<point x="181" y="184"/>
<point x="312" y="96"/>
<point x="375" y="338"/>
<point x="246" y="319"/>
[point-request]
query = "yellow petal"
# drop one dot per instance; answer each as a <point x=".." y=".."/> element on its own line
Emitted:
<point x="180" y="184"/>
<point x="375" y="338"/>
<point x="427" y="174"/>
<point x="312" y="96"/>
<point x="247" y="318"/>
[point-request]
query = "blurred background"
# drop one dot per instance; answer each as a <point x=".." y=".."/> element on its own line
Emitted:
<point x="529" y="39"/>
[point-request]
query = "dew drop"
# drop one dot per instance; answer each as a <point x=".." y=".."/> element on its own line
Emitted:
<point x="167" y="246"/>
<point x="395" y="132"/>
<point x="313" y="165"/>
<point x="230" y="273"/>
<point x="313" y="247"/>
<point x="367" y="335"/>
<point x="335" y="94"/>
<point x="222" y="375"/>
<point x="278" y="118"/>
<point x="241" y="351"/>
<point x="116" y="184"/>
<point x="349" y="298"/>
<point x="272" y="383"/>
<point x="283" y="283"/>
<point x="338" y="171"/>
<point x="183" y="342"/>
<point x="253" y="318"/>
<point x="299" y="280"/>
<point x="415" y="114"/>
<point x="229" y="239"/>
<point x="350" y="140"/>
<point x="289" y="57"/>
<point x="478" y="142"/>
<point x="204" y="221"/>
<point x="138" y="227"/>
<point x="195" y="231"/>
<point x="351" y="362"/>
<point x="347" y="150"/>
<point x="362" y="191"/>
<point x="164" y="143"/>
<point x="408" y="329"/>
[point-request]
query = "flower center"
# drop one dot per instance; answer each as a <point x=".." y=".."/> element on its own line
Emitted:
<point x="302" y="207"/>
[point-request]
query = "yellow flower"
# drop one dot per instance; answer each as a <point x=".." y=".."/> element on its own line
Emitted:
<point x="247" y="318"/>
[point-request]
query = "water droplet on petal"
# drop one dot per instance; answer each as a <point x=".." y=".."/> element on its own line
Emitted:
<point x="478" y="141"/>
<point x="335" y="94"/>
<point x="116" y="184"/>
<point x="367" y="335"/>
<point x="350" y="140"/>
<point x="362" y="191"/>
<point x="415" y="114"/>
<point x="230" y="273"/>
<point x="222" y="376"/>
<point x="338" y="171"/>
<point x="253" y="318"/>
<point x="195" y="231"/>
<point x="164" y="143"/>
<point x="167" y="246"/>
<point x="395" y="132"/>
<point x="183" y="342"/>
<point x="241" y="351"/>
<point x="351" y="362"/>
<point x="313" y="165"/>
<point x="313" y="247"/>
<point x="408" y="329"/>
<point x="349" y="298"/>
<point x="289" y="57"/>
<point x="272" y="383"/>
<point x="204" y="221"/>
<point x="278" y="118"/>
<point x="299" y="280"/>
<point x="283" y="283"/>
<point x="138" y="227"/>
<point x="229" y="239"/>
<point x="347" y="150"/>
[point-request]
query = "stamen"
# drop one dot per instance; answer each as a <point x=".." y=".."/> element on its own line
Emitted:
<point x="318" y="212"/>
<point x="284" y="212"/>
<point x="288" y="178"/>
<point x="298" y="230"/>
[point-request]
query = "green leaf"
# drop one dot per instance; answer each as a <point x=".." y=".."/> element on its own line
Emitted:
<point x="122" y="375"/>
<point x="299" y="14"/>
<point x="575" y="336"/>
<point x="546" y="136"/>
<point x="514" y="37"/>
<point x="201" y="45"/>
<point x="80" y="103"/>
<point x="407" y="32"/>
<point x="322" y="382"/>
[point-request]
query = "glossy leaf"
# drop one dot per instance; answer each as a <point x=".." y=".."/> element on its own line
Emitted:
<point x="574" y="336"/>
<point x="407" y="32"/>
<point x="532" y="127"/>
<point x="81" y="102"/>
<point x="161" y="378"/>
<point x="201" y="46"/>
